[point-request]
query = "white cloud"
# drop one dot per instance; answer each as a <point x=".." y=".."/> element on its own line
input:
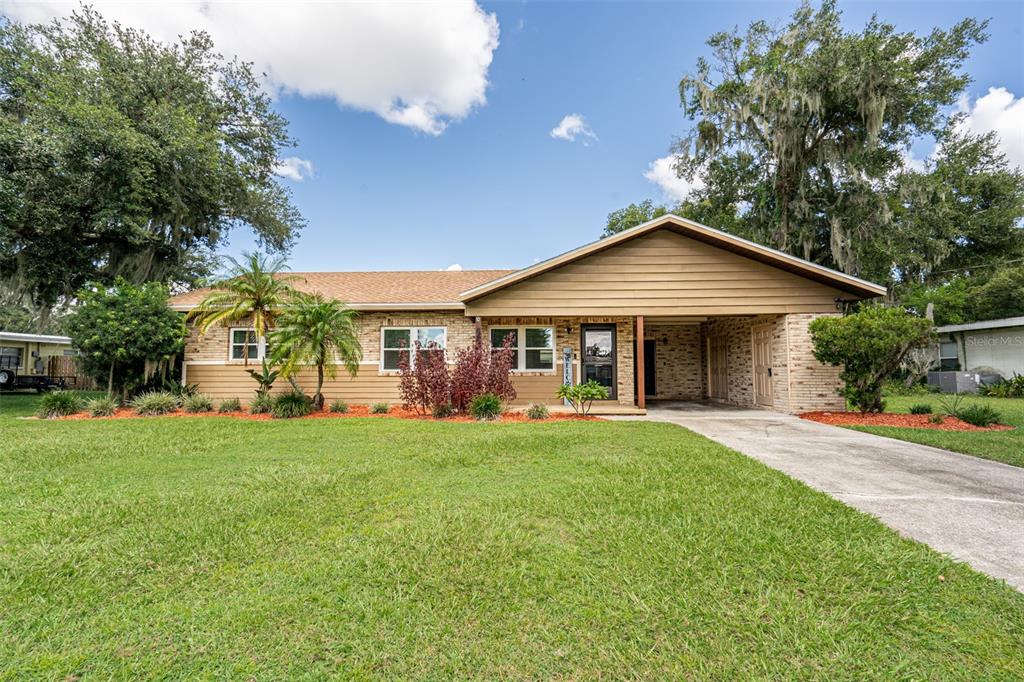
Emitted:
<point x="1000" y="111"/>
<point x="454" y="267"/>
<point x="571" y="127"/>
<point x="912" y="162"/>
<point x="421" y="65"/>
<point x="294" y="168"/>
<point x="663" y="173"/>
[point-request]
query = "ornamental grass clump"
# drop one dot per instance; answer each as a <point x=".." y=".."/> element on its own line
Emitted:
<point x="921" y="408"/>
<point x="154" y="403"/>
<point x="339" y="407"/>
<point x="290" y="405"/>
<point x="229" y="405"/>
<point x="59" y="404"/>
<point x="379" y="408"/>
<point x="485" y="407"/>
<point x="101" y="407"/>
<point x="979" y="415"/>
<point x="261" y="404"/>
<point x="196" y="403"/>
<point x="537" y="411"/>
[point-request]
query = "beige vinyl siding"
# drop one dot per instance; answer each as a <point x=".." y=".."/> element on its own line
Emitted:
<point x="662" y="273"/>
<point x="368" y="386"/>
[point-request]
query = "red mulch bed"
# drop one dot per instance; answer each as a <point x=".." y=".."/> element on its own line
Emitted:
<point x="910" y="421"/>
<point x="396" y="412"/>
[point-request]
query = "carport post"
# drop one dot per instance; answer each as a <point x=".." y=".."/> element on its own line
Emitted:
<point x="638" y="370"/>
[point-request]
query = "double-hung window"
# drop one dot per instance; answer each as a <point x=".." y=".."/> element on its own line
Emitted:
<point x="397" y="342"/>
<point x="533" y="348"/>
<point x="246" y="346"/>
<point x="949" y="359"/>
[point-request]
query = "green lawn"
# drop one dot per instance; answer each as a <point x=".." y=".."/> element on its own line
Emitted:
<point x="1002" y="446"/>
<point x="215" y="548"/>
<point x="24" y="404"/>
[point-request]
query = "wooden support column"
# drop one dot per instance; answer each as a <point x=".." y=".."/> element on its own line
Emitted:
<point x="638" y="360"/>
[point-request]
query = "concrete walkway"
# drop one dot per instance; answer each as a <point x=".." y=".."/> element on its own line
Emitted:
<point x="970" y="508"/>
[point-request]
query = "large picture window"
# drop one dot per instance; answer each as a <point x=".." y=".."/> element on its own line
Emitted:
<point x="399" y="341"/>
<point x="533" y="347"/>
<point x="244" y="341"/>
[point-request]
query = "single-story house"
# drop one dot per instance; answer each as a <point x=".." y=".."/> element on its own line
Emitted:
<point x="990" y="345"/>
<point x="720" y="318"/>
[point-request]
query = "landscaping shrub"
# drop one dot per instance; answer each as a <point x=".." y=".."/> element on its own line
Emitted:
<point x="582" y="396"/>
<point x="379" y="408"/>
<point x="426" y="385"/>
<point x="197" y="402"/>
<point x="443" y="411"/>
<point x="229" y="405"/>
<point x="950" y="403"/>
<point x="1005" y="388"/>
<point x="869" y="345"/>
<point x="155" y="403"/>
<point x="261" y="404"/>
<point x="979" y="415"/>
<point x="485" y="407"/>
<point x="339" y="407"/>
<point x="289" y="405"/>
<point x="899" y="387"/>
<point x="101" y="407"/>
<point x="537" y="411"/>
<point x="59" y="404"/>
<point x="481" y="369"/>
<point x="921" y="408"/>
<point x="936" y="419"/>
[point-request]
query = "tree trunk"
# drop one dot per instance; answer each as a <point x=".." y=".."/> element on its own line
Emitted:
<point x="318" y="399"/>
<point x="110" y="382"/>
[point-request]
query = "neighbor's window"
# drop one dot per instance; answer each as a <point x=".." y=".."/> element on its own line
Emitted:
<point x="398" y="341"/>
<point x="10" y="357"/>
<point x="245" y="341"/>
<point x="949" y="360"/>
<point x="533" y="347"/>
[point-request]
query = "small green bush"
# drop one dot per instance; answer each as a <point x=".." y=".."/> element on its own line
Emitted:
<point x="339" y="407"/>
<point x="485" y="407"/>
<point x="936" y="419"/>
<point x="537" y="411"/>
<point x="101" y="407"/>
<point x="979" y="415"/>
<point x="261" y="404"/>
<point x="229" y="405"/>
<point x="59" y="404"/>
<point x="582" y="396"/>
<point x="443" y="411"/>
<point x="155" y="403"/>
<point x="197" y="402"/>
<point x="921" y="408"/>
<point x="379" y="408"/>
<point x="290" y="405"/>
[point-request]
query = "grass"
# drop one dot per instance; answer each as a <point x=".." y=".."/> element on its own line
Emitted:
<point x="1002" y="446"/>
<point x="217" y="548"/>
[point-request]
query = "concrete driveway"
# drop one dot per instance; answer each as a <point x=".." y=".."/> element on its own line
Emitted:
<point x="970" y="508"/>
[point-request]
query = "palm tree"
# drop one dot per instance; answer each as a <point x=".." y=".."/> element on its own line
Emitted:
<point x="313" y="330"/>
<point x="254" y="290"/>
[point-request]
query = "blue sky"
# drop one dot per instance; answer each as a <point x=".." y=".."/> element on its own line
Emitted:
<point x="495" y="189"/>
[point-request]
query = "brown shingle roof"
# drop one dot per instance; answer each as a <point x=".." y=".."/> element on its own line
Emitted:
<point x="409" y="286"/>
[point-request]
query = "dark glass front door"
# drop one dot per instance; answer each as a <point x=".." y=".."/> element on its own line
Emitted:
<point x="599" y="355"/>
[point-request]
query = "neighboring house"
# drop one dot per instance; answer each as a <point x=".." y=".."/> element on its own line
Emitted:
<point x="989" y="345"/>
<point x="721" y="319"/>
<point x="37" y="355"/>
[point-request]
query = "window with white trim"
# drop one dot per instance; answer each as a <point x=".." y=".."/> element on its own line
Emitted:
<point x="398" y="341"/>
<point x="533" y="347"/>
<point x="244" y="340"/>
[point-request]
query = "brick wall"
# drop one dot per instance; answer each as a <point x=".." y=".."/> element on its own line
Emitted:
<point x="677" y="361"/>
<point x="812" y="385"/>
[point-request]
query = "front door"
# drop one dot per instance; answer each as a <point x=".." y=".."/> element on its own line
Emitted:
<point x="598" y="363"/>
<point x="762" y="352"/>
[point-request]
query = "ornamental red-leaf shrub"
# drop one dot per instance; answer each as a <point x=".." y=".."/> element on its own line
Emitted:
<point x="425" y="385"/>
<point x="498" y="380"/>
<point x="480" y="369"/>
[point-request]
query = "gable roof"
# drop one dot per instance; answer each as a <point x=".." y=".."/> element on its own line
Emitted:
<point x="395" y="290"/>
<point x="703" y="233"/>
